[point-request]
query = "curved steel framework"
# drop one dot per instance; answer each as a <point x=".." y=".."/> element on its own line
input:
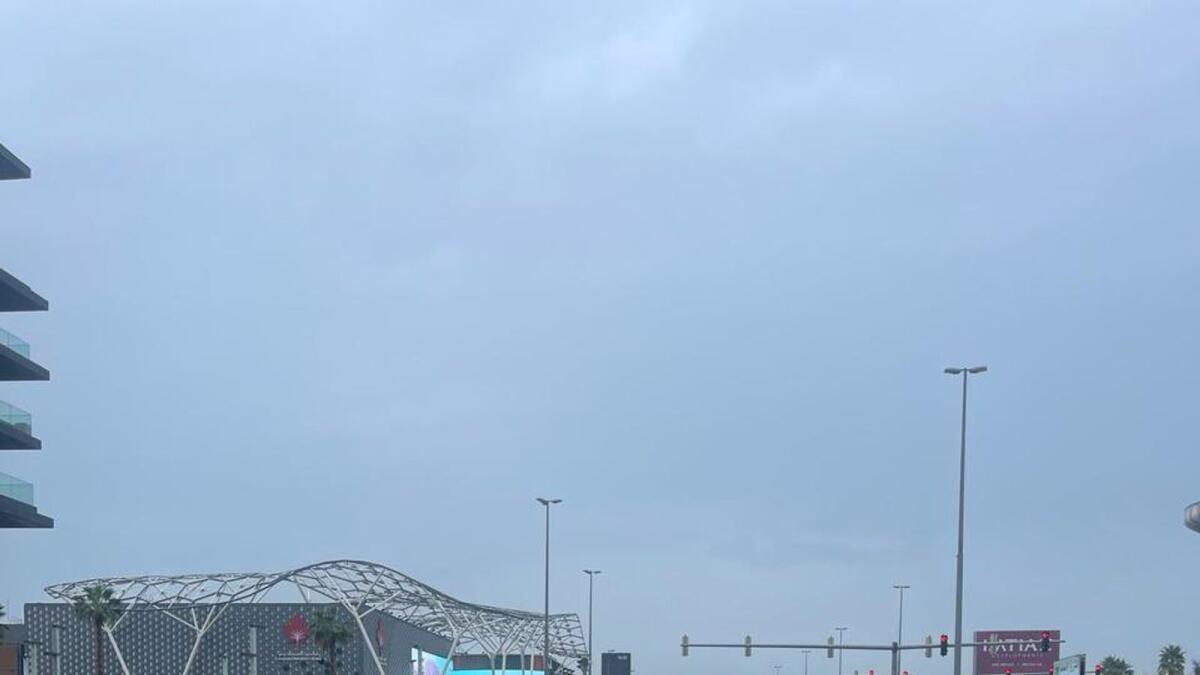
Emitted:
<point x="198" y="601"/>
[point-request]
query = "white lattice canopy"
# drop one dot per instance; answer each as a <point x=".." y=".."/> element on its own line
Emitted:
<point x="198" y="600"/>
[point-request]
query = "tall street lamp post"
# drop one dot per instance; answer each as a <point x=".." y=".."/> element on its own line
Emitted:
<point x="962" y="479"/>
<point x="546" y="619"/>
<point x="591" y="578"/>
<point x="841" y="632"/>
<point x="806" y="652"/>
<point x="900" y="631"/>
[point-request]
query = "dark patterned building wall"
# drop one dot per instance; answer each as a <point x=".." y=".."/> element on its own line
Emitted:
<point x="246" y="639"/>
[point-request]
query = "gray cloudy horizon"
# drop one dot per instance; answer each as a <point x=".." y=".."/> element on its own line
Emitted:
<point x="361" y="280"/>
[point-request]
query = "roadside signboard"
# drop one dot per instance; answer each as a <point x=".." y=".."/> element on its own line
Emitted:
<point x="1018" y="652"/>
<point x="1071" y="665"/>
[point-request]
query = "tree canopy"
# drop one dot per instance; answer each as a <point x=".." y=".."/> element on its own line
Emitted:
<point x="1171" y="660"/>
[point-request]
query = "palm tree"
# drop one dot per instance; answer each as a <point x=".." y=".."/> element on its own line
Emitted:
<point x="98" y="605"/>
<point x="1114" y="665"/>
<point x="1195" y="667"/>
<point x="1171" y="660"/>
<point x="328" y="631"/>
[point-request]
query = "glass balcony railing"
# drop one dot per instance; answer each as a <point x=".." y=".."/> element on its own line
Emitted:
<point x="14" y="343"/>
<point x="16" y="417"/>
<point x="15" y="488"/>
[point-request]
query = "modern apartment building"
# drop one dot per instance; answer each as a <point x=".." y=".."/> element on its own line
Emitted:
<point x="17" y="508"/>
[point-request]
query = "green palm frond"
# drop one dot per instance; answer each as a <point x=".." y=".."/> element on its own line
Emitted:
<point x="99" y="604"/>
<point x="1113" y="665"/>
<point x="1171" y="660"/>
<point x="328" y="629"/>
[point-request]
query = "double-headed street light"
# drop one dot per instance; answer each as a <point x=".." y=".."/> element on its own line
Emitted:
<point x="546" y="628"/>
<point x="962" y="479"/>
<point x="591" y="578"/>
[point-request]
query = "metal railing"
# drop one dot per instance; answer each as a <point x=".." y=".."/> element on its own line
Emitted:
<point x="15" y="416"/>
<point x="15" y="488"/>
<point x="14" y="343"/>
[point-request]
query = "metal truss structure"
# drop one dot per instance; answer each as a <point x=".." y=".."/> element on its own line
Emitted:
<point x="199" y="600"/>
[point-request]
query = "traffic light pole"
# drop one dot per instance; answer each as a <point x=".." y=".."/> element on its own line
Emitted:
<point x="749" y="645"/>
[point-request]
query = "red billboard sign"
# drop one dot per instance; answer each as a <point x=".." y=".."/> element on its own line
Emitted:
<point x="1014" y="651"/>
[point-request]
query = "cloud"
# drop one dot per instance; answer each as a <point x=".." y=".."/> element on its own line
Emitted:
<point x="755" y="111"/>
<point x="830" y="81"/>
<point x="627" y="62"/>
<point x="783" y="549"/>
<point x="435" y="274"/>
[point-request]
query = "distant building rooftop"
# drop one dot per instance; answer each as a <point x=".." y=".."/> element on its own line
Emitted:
<point x="10" y="166"/>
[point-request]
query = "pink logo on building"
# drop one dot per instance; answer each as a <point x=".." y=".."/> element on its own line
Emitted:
<point x="296" y="630"/>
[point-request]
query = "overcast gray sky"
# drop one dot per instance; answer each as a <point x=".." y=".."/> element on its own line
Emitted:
<point x="363" y="279"/>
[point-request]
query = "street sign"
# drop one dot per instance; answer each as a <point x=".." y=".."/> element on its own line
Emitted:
<point x="1071" y="665"/>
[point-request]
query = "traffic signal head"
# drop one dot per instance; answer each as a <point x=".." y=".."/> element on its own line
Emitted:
<point x="748" y="645"/>
<point x="1008" y="671"/>
<point x="684" y="644"/>
<point x="944" y="645"/>
<point x="1045" y="641"/>
<point x="928" y="646"/>
<point x="829" y="649"/>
